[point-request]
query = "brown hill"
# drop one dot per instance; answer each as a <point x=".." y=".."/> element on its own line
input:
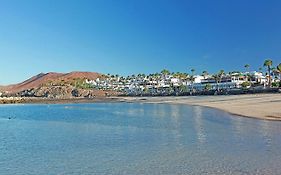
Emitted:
<point x="87" y="75"/>
<point x="42" y="78"/>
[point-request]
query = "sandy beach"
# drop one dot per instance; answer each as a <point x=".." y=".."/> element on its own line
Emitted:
<point x="260" y="106"/>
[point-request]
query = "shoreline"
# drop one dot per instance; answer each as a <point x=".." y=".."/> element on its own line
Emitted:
<point x="258" y="106"/>
<point x="35" y="100"/>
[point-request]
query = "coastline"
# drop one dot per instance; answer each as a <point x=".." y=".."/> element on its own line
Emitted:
<point x="259" y="106"/>
<point x="36" y="100"/>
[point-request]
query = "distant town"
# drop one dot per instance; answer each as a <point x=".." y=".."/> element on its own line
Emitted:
<point x="165" y="83"/>
<point x="177" y="83"/>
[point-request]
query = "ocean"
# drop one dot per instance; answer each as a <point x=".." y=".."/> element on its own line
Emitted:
<point x="134" y="138"/>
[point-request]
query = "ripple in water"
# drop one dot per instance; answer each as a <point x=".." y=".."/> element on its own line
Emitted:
<point x="123" y="138"/>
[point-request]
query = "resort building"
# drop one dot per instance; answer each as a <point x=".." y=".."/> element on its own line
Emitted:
<point x="177" y="83"/>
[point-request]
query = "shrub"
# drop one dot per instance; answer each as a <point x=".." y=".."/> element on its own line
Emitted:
<point x="208" y="87"/>
<point x="246" y="84"/>
<point x="276" y="84"/>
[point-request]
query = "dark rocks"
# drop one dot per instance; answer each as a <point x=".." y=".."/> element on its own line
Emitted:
<point x="75" y="93"/>
<point x="62" y="92"/>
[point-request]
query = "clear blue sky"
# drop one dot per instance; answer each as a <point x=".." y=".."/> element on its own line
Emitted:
<point x="136" y="36"/>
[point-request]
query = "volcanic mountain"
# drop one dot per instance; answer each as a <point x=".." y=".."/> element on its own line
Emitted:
<point x="43" y="79"/>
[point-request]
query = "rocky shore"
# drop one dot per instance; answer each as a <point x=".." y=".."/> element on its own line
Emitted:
<point x="11" y="100"/>
<point x="39" y="100"/>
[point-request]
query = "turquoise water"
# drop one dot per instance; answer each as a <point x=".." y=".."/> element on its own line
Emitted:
<point x="127" y="138"/>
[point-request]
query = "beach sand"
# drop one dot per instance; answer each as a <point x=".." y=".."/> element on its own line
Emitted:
<point x="260" y="106"/>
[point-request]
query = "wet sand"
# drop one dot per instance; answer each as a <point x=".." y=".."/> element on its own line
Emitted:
<point x="260" y="106"/>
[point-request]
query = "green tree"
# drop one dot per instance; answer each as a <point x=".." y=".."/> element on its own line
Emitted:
<point x="279" y="67"/>
<point x="205" y="74"/>
<point x="221" y="74"/>
<point x="246" y="84"/>
<point x="260" y="69"/>
<point x="208" y="87"/>
<point x="183" y="88"/>
<point x="165" y="72"/>
<point x="217" y="79"/>
<point x="192" y="71"/>
<point x="279" y="70"/>
<point x="274" y="72"/>
<point x="192" y="78"/>
<point x="268" y="63"/>
<point x="247" y="66"/>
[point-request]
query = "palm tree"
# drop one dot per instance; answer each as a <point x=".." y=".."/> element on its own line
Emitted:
<point x="260" y="69"/>
<point x="268" y="63"/>
<point x="192" y="77"/>
<point x="247" y="66"/>
<point x="165" y="72"/>
<point x="156" y="77"/>
<point x="192" y="71"/>
<point x="279" y="67"/>
<point x="182" y="76"/>
<point x="274" y="72"/>
<point x="220" y="74"/>
<point x="217" y="78"/>
<point x="205" y="73"/>
<point x="279" y="70"/>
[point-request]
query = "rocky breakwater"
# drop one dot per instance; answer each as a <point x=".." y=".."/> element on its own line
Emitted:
<point x="9" y="100"/>
<point x="64" y="92"/>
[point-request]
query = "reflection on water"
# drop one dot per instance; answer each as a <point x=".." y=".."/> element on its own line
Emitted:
<point x="198" y="124"/>
<point x="265" y="132"/>
<point x="125" y="138"/>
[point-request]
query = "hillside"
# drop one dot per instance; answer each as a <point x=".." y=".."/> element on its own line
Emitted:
<point x="55" y="85"/>
<point x="42" y="79"/>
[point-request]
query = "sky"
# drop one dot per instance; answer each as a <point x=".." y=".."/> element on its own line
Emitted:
<point x="136" y="36"/>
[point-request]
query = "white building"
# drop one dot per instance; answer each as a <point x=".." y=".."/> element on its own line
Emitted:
<point x="198" y="79"/>
<point x="238" y="79"/>
<point x="259" y="78"/>
<point x="92" y="82"/>
<point x="175" y="81"/>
